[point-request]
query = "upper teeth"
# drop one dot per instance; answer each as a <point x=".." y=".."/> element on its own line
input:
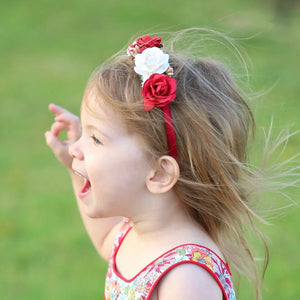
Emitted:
<point x="75" y="172"/>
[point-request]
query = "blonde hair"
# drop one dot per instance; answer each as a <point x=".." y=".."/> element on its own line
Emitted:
<point x="212" y="122"/>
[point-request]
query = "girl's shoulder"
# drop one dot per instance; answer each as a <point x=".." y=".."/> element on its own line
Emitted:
<point x="188" y="281"/>
<point x="195" y="268"/>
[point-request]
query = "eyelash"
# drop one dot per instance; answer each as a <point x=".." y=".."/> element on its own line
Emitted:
<point x="96" y="140"/>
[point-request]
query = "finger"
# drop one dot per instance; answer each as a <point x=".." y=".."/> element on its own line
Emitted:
<point x="57" y="127"/>
<point x="67" y="117"/>
<point x="52" y="141"/>
<point x="56" y="109"/>
<point x="60" y="149"/>
<point x="72" y="125"/>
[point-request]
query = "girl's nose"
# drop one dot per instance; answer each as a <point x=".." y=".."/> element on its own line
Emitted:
<point x="75" y="151"/>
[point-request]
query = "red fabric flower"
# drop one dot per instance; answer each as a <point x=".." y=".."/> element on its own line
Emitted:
<point x="159" y="90"/>
<point x="147" y="41"/>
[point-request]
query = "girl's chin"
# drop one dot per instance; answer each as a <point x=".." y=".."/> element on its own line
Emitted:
<point x="92" y="211"/>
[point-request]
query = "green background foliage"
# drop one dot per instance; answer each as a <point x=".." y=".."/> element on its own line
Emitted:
<point x="48" y="49"/>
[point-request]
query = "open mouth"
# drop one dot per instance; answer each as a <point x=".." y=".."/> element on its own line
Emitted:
<point x="86" y="188"/>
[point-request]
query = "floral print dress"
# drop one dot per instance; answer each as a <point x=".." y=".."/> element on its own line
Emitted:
<point x="142" y="285"/>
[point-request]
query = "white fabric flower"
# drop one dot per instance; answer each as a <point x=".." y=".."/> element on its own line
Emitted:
<point x="150" y="61"/>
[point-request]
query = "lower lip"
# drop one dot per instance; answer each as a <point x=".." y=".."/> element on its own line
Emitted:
<point x="85" y="190"/>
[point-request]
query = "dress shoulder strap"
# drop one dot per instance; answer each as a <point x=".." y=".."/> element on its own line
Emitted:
<point x="188" y="253"/>
<point x="125" y="228"/>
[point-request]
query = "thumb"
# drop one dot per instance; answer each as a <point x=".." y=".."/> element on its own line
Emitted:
<point x="55" y="144"/>
<point x="51" y="140"/>
<point x="59" y="148"/>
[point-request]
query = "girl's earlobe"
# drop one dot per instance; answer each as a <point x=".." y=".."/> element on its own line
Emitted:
<point x="162" y="178"/>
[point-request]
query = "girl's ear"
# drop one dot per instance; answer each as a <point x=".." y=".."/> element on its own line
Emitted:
<point x="162" y="178"/>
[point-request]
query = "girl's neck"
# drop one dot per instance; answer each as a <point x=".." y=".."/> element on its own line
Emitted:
<point x="163" y="216"/>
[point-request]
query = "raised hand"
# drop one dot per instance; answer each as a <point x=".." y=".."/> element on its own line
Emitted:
<point x="64" y="120"/>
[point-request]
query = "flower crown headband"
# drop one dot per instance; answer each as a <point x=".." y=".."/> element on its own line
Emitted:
<point x="158" y="86"/>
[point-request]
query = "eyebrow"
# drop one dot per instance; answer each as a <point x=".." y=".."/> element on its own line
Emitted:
<point x="93" y="127"/>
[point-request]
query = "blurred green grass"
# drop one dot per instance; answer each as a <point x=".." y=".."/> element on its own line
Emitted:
<point x="47" y="51"/>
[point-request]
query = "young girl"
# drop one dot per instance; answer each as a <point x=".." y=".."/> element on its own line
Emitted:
<point x="159" y="170"/>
